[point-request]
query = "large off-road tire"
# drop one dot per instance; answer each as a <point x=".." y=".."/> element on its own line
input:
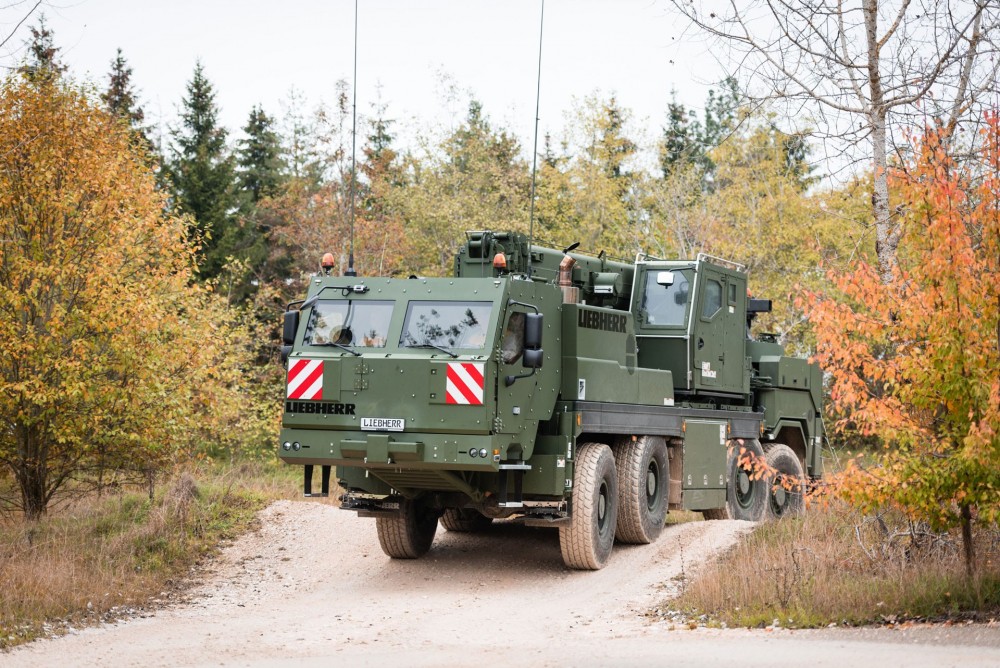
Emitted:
<point x="587" y="541"/>
<point x="409" y="533"/>
<point x="785" y="483"/>
<point x="643" y="486"/>
<point x="465" y="520"/>
<point x="746" y="489"/>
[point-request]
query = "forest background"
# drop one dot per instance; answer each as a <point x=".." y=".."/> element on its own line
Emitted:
<point x="143" y="276"/>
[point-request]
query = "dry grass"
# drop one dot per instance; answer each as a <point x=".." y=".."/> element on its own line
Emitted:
<point x="683" y="517"/>
<point x="835" y="567"/>
<point x="97" y="559"/>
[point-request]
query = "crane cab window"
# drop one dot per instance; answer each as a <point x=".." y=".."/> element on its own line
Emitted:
<point x="667" y="305"/>
<point x="712" y="303"/>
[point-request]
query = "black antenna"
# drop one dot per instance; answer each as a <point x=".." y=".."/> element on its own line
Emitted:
<point x="534" y="152"/>
<point x="354" y="140"/>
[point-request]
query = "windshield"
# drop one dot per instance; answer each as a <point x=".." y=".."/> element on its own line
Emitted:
<point x="667" y="305"/>
<point x="348" y="322"/>
<point x="451" y="324"/>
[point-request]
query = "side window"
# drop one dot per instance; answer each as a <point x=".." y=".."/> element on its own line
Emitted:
<point x="732" y="293"/>
<point x="713" y="299"/>
<point x="512" y="344"/>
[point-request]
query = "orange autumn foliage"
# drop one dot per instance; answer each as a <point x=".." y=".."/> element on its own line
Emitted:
<point x="915" y="362"/>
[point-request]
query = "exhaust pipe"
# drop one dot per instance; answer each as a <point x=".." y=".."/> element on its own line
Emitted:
<point x="571" y="294"/>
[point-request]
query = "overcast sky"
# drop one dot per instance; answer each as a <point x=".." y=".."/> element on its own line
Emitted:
<point x="255" y="51"/>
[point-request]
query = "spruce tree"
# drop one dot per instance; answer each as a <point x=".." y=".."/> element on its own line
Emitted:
<point x="201" y="170"/>
<point x="689" y="141"/>
<point x="120" y="96"/>
<point x="43" y="56"/>
<point x="260" y="167"/>
<point x="682" y="139"/>
<point x="260" y="174"/>
<point x="380" y="165"/>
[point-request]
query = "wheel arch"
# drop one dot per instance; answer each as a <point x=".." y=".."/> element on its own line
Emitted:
<point x="792" y="433"/>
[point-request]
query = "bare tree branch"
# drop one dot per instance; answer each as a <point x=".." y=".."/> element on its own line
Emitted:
<point x="865" y="84"/>
<point x="19" y="23"/>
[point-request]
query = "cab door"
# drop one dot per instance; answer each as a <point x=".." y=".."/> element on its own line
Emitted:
<point x="709" y="331"/>
<point x="719" y="344"/>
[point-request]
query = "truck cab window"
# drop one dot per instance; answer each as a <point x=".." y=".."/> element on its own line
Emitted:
<point x="443" y="323"/>
<point x="512" y="344"/>
<point x="364" y="324"/>
<point x="667" y="305"/>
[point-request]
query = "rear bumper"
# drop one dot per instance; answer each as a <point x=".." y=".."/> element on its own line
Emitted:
<point x="403" y="450"/>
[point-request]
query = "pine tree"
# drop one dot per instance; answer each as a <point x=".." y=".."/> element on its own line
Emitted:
<point x="689" y="141"/>
<point x="681" y="139"/>
<point x="380" y="164"/>
<point x="43" y="62"/>
<point x="202" y="173"/>
<point x="260" y="167"/>
<point x="120" y="97"/>
<point x="608" y="148"/>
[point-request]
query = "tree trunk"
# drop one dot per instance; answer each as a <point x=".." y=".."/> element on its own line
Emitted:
<point x="970" y="555"/>
<point x="31" y="479"/>
<point x="886" y="234"/>
<point x="31" y="472"/>
<point x="886" y="231"/>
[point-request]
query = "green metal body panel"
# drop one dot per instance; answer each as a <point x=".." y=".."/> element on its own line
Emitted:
<point x="599" y="360"/>
<point x="705" y="454"/>
<point x="628" y="349"/>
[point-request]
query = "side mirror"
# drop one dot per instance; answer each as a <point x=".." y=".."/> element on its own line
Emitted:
<point x="533" y="358"/>
<point x="533" y="330"/>
<point x="291" y="326"/>
<point x="665" y="278"/>
<point x="533" y="355"/>
<point x="285" y="352"/>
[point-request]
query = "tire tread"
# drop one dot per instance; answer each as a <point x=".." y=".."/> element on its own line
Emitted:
<point x="577" y="541"/>
<point x="401" y="535"/>
<point x="629" y="457"/>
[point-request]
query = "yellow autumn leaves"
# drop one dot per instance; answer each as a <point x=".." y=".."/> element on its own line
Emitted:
<point x="110" y="352"/>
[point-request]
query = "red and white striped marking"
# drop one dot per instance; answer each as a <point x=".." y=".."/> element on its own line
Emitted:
<point x="305" y="379"/>
<point x="465" y="383"/>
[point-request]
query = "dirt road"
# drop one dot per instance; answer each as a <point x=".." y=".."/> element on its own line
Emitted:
<point x="312" y="586"/>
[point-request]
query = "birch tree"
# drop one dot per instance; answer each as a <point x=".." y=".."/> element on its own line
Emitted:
<point x="861" y="70"/>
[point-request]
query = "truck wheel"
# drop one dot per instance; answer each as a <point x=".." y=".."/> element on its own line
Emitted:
<point x="465" y="520"/>
<point x="643" y="483"/>
<point x="587" y="541"/>
<point x="785" y="484"/>
<point x="409" y="533"/>
<point x="746" y="492"/>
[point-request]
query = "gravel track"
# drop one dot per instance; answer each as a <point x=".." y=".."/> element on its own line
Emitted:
<point x="312" y="586"/>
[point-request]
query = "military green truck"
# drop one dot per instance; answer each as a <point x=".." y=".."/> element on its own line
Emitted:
<point x="556" y="388"/>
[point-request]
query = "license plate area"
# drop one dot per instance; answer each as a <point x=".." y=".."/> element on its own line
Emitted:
<point x="382" y="424"/>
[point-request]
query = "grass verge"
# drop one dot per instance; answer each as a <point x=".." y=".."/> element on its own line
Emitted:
<point x="100" y="559"/>
<point x="835" y="567"/>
